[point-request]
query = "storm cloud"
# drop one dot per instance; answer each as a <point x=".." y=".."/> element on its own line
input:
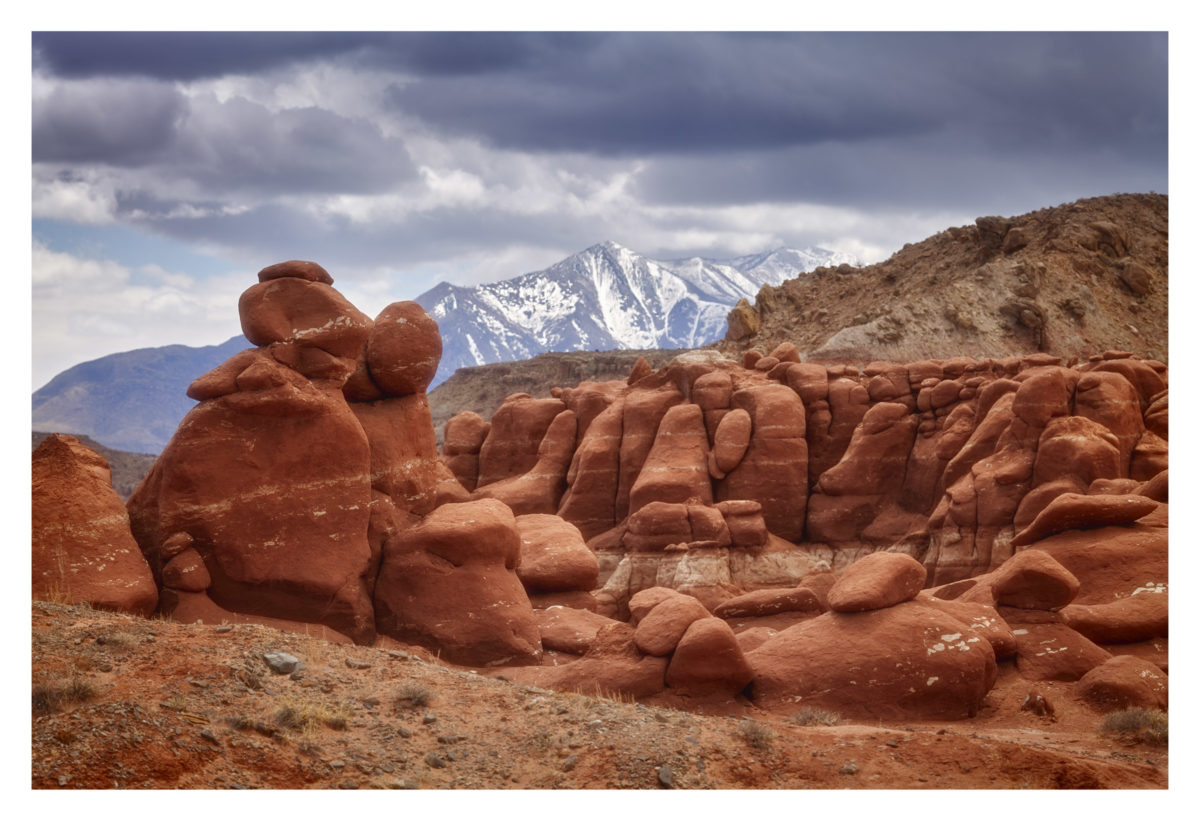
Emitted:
<point x="399" y="158"/>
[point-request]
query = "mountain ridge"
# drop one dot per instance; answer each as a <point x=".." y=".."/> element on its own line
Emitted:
<point x="605" y="297"/>
<point x="134" y="400"/>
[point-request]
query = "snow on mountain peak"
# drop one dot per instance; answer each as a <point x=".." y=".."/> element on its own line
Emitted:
<point x="602" y="298"/>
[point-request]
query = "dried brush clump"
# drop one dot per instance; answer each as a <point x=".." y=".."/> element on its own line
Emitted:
<point x="47" y="698"/>
<point x="1137" y="724"/>
<point x="412" y="695"/>
<point x="814" y="716"/>
<point x="756" y="735"/>
<point x="307" y="716"/>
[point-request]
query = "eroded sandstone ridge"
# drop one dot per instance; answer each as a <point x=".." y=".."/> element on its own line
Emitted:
<point x="714" y="477"/>
<point x="874" y="539"/>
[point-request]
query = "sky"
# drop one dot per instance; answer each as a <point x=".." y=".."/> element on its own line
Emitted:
<point x="169" y="167"/>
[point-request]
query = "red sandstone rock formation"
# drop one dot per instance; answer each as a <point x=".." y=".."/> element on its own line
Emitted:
<point x="306" y="489"/>
<point x="83" y="550"/>
<point x="910" y="660"/>
<point x="450" y="583"/>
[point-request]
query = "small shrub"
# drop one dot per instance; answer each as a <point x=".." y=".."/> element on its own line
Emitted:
<point x="413" y="695"/>
<point x="758" y="736"/>
<point x="814" y="716"/>
<point x="309" y="716"/>
<point x="116" y="640"/>
<point x="1137" y="723"/>
<point x="50" y="697"/>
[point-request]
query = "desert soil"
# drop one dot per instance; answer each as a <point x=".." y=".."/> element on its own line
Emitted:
<point x="151" y="704"/>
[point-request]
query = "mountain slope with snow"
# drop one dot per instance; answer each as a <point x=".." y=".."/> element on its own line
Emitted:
<point x="606" y="297"/>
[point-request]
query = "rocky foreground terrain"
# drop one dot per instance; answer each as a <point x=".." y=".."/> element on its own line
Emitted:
<point x="964" y="554"/>
<point x="161" y="705"/>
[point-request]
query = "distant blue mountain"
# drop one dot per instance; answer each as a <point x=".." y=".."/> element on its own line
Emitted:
<point x="129" y="401"/>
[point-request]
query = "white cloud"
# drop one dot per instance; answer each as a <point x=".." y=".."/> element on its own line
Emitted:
<point x="87" y="308"/>
<point x="83" y="201"/>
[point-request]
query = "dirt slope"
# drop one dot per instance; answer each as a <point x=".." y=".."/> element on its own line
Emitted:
<point x="1073" y="280"/>
<point x="123" y="702"/>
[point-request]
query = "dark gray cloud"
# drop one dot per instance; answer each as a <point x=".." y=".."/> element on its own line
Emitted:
<point x="941" y="171"/>
<point x="239" y="145"/>
<point x="193" y="55"/>
<point x="184" y="55"/>
<point x="120" y="122"/>
<point x="230" y="147"/>
<point x="877" y="122"/>
<point x="670" y="93"/>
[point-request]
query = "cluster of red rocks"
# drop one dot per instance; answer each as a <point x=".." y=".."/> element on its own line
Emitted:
<point x="639" y="536"/>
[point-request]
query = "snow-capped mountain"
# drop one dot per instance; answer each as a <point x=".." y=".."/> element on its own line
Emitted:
<point x="603" y="298"/>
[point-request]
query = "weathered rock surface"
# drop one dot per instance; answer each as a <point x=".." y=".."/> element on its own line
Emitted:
<point x="83" y="550"/>
<point x="261" y="482"/>
<point x="661" y="629"/>
<point x="909" y="660"/>
<point x="1123" y="682"/>
<point x="306" y="489"/>
<point x="303" y="459"/>
<point x="1055" y="652"/>
<point x="568" y="629"/>
<point x="877" y="581"/>
<point x="708" y="660"/>
<point x="450" y="583"/>
<point x="554" y="556"/>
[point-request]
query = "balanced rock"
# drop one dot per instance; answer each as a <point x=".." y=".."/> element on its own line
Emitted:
<point x="554" y="556"/>
<point x="876" y="581"/>
<point x="643" y="601"/>
<point x="568" y="629"/>
<point x="298" y="268"/>
<point x="1128" y="619"/>
<point x="186" y="572"/>
<point x="304" y="313"/>
<point x="83" y="550"/>
<point x="404" y="349"/>
<point x="1033" y="580"/>
<point x="769" y="602"/>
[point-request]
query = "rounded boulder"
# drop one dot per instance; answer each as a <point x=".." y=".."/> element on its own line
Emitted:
<point x="876" y="581"/>
<point x="404" y="349"/>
